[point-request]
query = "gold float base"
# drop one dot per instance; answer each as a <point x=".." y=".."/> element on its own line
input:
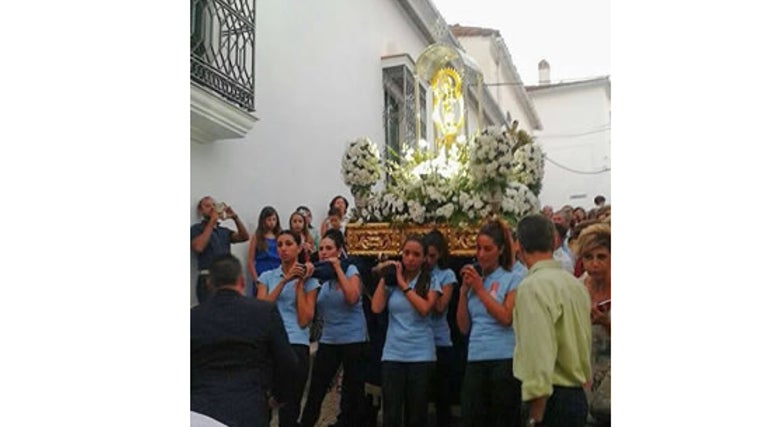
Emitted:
<point x="381" y="238"/>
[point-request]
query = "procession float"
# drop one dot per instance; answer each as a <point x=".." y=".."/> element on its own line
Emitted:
<point x="466" y="172"/>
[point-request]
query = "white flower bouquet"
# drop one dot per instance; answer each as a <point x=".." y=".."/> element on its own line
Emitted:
<point x="489" y="159"/>
<point x="361" y="166"/>
<point x="519" y="201"/>
<point x="528" y="167"/>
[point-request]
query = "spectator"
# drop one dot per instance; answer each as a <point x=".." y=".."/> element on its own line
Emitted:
<point x="343" y="339"/>
<point x="599" y="201"/>
<point x="297" y="224"/>
<point x="333" y="220"/>
<point x="547" y="211"/>
<point x="553" y="332"/>
<point x="594" y="249"/>
<point x="579" y="214"/>
<point x="409" y="352"/>
<point x="490" y="392"/>
<point x="238" y="349"/>
<point x="562" y="222"/>
<point x="605" y="213"/>
<point x="340" y="204"/>
<point x="559" y="253"/>
<point x="306" y="212"/>
<point x="262" y="251"/>
<point x="209" y="240"/>
<point x="294" y="292"/>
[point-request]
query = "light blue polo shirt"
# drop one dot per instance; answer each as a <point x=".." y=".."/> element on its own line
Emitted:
<point x="410" y="336"/>
<point x="489" y="340"/>
<point x="286" y="303"/>
<point x="343" y="323"/>
<point x="519" y="269"/>
<point x="440" y="323"/>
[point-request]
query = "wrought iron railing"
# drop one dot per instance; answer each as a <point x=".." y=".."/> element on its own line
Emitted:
<point x="222" y="36"/>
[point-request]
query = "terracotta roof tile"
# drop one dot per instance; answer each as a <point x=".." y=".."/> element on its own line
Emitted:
<point x="461" y="31"/>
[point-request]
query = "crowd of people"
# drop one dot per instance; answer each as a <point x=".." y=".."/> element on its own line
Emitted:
<point x="530" y="312"/>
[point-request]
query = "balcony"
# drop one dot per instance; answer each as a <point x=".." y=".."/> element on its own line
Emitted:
<point x="222" y="41"/>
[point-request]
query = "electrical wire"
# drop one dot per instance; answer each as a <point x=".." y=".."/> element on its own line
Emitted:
<point x="575" y="80"/>
<point x="572" y="135"/>
<point x="577" y="171"/>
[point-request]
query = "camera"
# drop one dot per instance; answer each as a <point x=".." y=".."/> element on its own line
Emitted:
<point x="221" y="210"/>
<point x="478" y="268"/>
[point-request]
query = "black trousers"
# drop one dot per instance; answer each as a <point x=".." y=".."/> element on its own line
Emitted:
<point x="442" y="385"/>
<point x="290" y="392"/>
<point x="566" y="407"/>
<point x="201" y="288"/>
<point x="405" y="391"/>
<point x="491" y="395"/>
<point x="326" y="363"/>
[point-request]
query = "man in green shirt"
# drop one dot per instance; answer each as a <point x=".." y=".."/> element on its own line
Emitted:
<point x="552" y="323"/>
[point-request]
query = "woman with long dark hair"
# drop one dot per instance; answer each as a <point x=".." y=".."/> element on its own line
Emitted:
<point x="409" y="353"/>
<point x="490" y="391"/>
<point x="292" y="289"/>
<point x="298" y="224"/>
<point x="262" y="252"/>
<point x="343" y="339"/>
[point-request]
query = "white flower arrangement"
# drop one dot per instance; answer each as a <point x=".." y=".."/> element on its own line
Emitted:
<point x="489" y="159"/>
<point x="528" y="167"/>
<point x="474" y="183"/>
<point x="361" y="166"/>
<point x="519" y="201"/>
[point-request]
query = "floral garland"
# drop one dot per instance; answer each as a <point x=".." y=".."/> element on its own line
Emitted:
<point x="361" y="166"/>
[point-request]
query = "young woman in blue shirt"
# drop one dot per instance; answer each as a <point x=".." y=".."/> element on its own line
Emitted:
<point x="343" y="339"/>
<point x="409" y="352"/>
<point x="294" y="292"/>
<point x="490" y="391"/>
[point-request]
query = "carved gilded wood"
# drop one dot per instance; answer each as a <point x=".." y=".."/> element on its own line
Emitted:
<point x="373" y="239"/>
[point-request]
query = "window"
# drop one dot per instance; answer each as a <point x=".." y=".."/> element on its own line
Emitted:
<point x="399" y="108"/>
<point x="222" y="39"/>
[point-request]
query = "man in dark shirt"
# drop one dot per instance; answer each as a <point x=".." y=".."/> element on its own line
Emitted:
<point x="238" y="350"/>
<point x="208" y="239"/>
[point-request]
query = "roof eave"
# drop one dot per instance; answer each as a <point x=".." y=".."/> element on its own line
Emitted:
<point x="522" y="94"/>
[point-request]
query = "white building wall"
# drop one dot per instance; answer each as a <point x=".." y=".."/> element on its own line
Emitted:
<point x="576" y="135"/>
<point x="481" y="49"/>
<point x="318" y="86"/>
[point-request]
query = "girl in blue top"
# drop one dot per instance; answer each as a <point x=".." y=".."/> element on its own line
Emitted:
<point x="344" y="334"/>
<point x="409" y="351"/>
<point x="437" y="258"/>
<point x="490" y="391"/>
<point x="292" y="289"/>
<point x="262" y="252"/>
